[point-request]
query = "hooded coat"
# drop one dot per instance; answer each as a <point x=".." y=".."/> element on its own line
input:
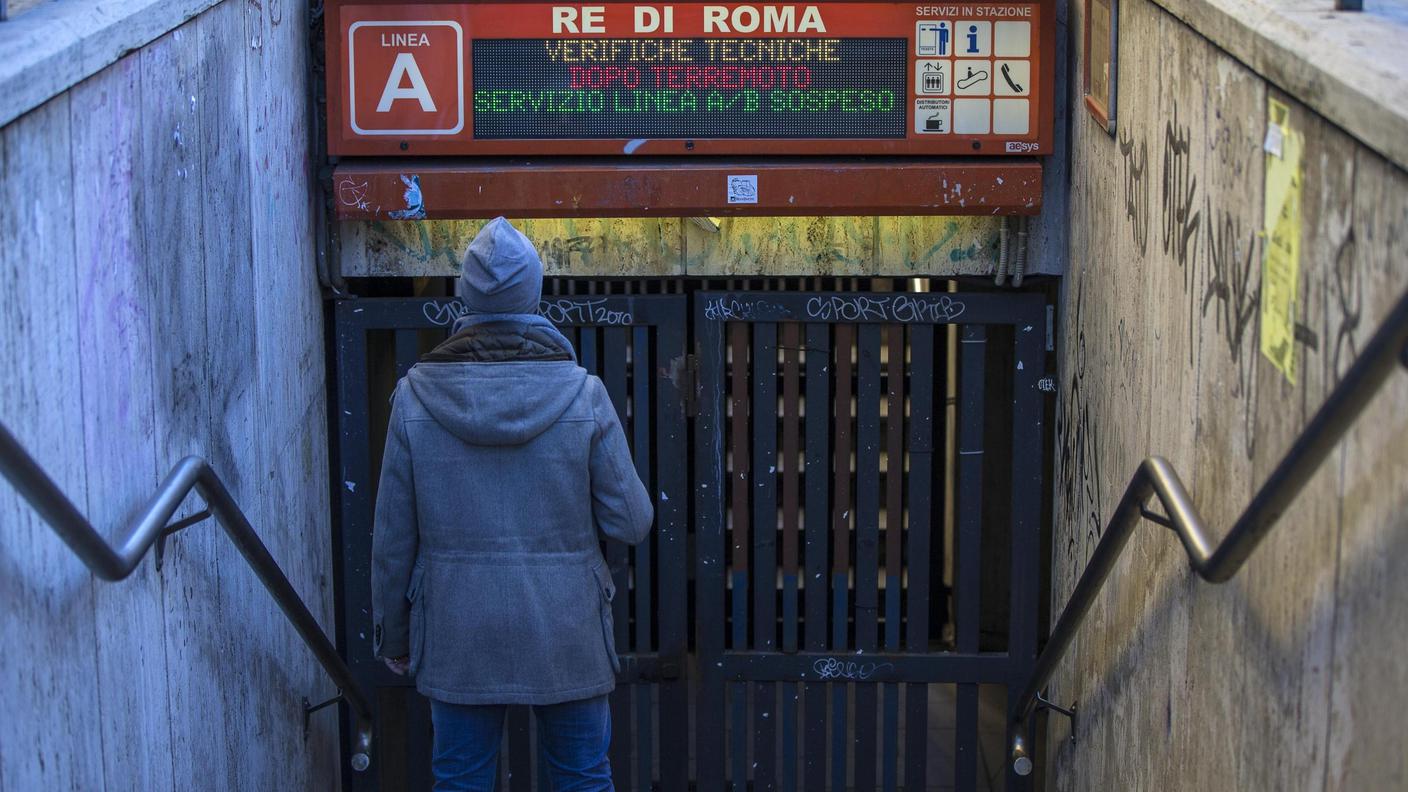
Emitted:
<point x="505" y="464"/>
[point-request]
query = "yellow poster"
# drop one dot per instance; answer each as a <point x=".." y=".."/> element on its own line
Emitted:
<point x="1281" y="240"/>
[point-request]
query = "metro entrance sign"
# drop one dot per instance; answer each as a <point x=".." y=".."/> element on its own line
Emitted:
<point x="689" y="78"/>
<point x="412" y="78"/>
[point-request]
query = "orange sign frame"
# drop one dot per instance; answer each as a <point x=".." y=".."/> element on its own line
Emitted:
<point x="400" y="79"/>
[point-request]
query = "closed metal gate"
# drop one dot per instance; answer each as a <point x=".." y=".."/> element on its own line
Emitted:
<point x="780" y="634"/>
<point x="636" y="344"/>
<point x="816" y="435"/>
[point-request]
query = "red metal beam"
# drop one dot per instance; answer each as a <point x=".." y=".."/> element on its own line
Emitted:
<point x="466" y="189"/>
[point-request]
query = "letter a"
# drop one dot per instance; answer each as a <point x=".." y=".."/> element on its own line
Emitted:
<point x="405" y="66"/>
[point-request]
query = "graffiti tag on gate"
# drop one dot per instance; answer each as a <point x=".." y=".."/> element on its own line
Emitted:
<point x="593" y="312"/>
<point x="836" y="668"/>
<point x="895" y="308"/>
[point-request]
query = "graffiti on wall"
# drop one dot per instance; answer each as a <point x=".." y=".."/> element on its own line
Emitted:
<point x="1080" y="477"/>
<point x="1136" y="189"/>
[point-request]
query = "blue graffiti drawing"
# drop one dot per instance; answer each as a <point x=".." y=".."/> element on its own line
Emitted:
<point x="415" y="204"/>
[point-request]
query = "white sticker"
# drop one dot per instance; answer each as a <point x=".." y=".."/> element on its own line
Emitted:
<point x="743" y="189"/>
<point x="1274" y="139"/>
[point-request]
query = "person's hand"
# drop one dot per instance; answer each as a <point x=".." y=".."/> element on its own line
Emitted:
<point x="398" y="665"/>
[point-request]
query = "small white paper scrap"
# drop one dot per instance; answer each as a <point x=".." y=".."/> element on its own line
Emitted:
<point x="1274" y="138"/>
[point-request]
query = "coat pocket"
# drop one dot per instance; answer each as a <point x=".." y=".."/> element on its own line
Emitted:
<point x="415" y="592"/>
<point x="607" y="587"/>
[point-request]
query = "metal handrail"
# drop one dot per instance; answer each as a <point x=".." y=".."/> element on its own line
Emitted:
<point x="1215" y="564"/>
<point x="151" y="527"/>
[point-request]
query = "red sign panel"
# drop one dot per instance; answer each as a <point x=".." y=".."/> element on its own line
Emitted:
<point x="405" y="78"/>
<point x="690" y="78"/>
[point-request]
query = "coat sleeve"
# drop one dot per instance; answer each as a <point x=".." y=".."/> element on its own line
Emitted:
<point x="395" y="537"/>
<point x="620" y="503"/>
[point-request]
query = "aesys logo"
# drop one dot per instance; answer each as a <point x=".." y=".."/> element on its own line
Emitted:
<point x="1022" y="147"/>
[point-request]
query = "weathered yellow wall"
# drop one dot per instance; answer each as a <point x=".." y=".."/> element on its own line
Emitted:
<point x="764" y="246"/>
<point x="1291" y="676"/>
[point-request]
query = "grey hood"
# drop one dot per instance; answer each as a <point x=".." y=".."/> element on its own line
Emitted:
<point x="496" y="404"/>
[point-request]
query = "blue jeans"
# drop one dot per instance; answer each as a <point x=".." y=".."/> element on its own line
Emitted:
<point x="572" y="736"/>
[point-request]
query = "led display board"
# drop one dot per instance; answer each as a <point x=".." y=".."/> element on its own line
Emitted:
<point x="689" y="78"/>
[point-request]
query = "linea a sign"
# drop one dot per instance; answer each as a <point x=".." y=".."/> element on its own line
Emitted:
<point x="406" y="77"/>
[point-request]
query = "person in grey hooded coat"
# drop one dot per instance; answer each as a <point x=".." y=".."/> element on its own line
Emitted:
<point x="504" y="465"/>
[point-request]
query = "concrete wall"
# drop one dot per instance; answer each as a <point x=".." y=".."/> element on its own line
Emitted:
<point x="1291" y="676"/>
<point x="158" y="298"/>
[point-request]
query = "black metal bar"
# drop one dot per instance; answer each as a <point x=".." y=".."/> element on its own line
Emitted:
<point x="1216" y="563"/>
<point x="971" y="415"/>
<point x="739" y="532"/>
<point x="1069" y="712"/>
<point x="868" y="669"/>
<point x="643" y="562"/>
<point x="672" y="491"/>
<point x="419" y="748"/>
<point x="841" y="509"/>
<point x="791" y="526"/>
<point x="354" y="487"/>
<point x="612" y="364"/>
<point x="1349" y="5"/>
<point x="544" y="774"/>
<point x="109" y="563"/>
<point x="407" y="351"/>
<point x="818" y="486"/>
<point x="921" y="454"/>
<point x="1028" y="442"/>
<point x="709" y="545"/>
<point x="868" y="441"/>
<point x="764" y="481"/>
<point x="588" y="351"/>
<point x="894" y="542"/>
<point x="520" y="751"/>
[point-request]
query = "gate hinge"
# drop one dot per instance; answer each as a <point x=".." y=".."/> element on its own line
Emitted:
<point x="690" y="384"/>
